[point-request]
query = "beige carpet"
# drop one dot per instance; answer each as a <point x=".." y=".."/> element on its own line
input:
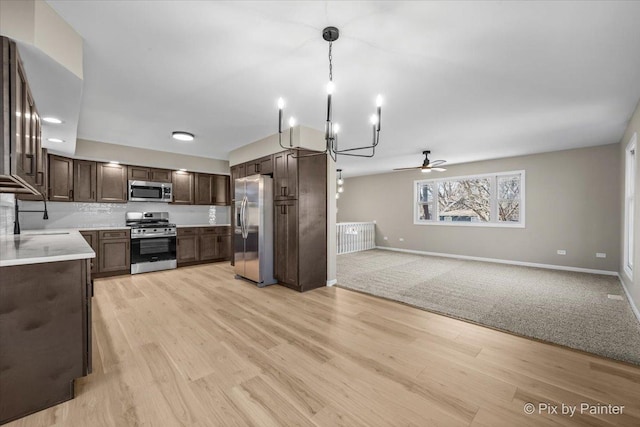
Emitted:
<point x="562" y="307"/>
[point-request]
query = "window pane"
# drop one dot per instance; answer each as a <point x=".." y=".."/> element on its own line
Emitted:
<point x="425" y="193"/>
<point x="464" y="200"/>
<point x="509" y="187"/>
<point x="509" y="211"/>
<point x="425" y="212"/>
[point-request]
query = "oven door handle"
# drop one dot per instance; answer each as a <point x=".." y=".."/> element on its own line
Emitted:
<point x="136" y="237"/>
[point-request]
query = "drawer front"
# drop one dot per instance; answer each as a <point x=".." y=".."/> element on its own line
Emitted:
<point x="215" y="230"/>
<point x="191" y="231"/>
<point x="114" y="234"/>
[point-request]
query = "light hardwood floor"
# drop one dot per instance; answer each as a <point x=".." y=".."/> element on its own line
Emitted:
<point x="193" y="346"/>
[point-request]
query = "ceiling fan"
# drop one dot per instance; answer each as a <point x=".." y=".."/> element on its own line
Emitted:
<point x="428" y="165"/>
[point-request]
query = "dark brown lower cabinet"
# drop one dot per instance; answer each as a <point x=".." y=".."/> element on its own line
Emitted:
<point x="187" y="249"/>
<point x="286" y="243"/>
<point x="203" y="244"/>
<point x="92" y="239"/>
<point x="45" y="335"/>
<point x="114" y="253"/>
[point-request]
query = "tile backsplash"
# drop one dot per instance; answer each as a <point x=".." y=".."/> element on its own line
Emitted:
<point x="79" y="215"/>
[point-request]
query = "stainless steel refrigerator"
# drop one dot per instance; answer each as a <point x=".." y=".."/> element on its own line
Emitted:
<point x="253" y="232"/>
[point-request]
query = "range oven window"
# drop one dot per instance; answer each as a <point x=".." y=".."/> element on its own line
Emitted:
<point x="153" y="249"/>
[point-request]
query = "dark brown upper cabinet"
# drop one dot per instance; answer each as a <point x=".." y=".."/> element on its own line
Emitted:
<point x="237" y="171"/>
<point x="203" y="189"/>
<point x="142" y="173"/>
<point x="262" y="166"/>
<point x="60" y="179"/>
<point x="212" y="189"/>
<point x="84" y="181"/>
<point x="183" y="187"/>
<point x="112" y="183"/>
<point x="221" y="190"/>
<point x="22" y="160"/>
<point x="285" y="175"/>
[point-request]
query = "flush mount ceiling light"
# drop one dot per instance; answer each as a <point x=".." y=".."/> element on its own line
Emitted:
<point x="331" y="34"/>
<point x="55" y="140"/>
<point x="182" y="136"/>
<point x="52" y="120"/>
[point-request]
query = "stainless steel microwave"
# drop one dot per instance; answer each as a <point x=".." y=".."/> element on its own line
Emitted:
<point x="146" y="191"/>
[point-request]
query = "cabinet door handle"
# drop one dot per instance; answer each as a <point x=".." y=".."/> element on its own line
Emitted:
<point x="93" y="195"/>
<point x="70" y="194"/>
<point x="32" y="159"/>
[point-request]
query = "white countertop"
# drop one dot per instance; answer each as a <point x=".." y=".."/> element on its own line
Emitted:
<point x="202" y="225"/>
<point x="102" y="227"/>
<point x="39" y="246"/>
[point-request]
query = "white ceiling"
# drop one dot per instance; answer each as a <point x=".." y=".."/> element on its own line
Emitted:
<point x="467" y="80"/>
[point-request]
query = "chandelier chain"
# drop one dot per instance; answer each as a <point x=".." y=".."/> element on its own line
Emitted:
<point x="330" y="63"/>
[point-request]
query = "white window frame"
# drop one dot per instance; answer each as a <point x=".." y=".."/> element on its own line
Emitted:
<point x="629" y="204"/>
<point x="493" y="201"/>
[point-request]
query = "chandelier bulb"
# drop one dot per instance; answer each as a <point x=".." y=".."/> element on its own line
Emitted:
<point x="280" y="103"/>
<point x="340" y="181"/>
<point x="374" y="119"/>
<point x="379" y="101"/>
<point x="292" y="121"/>
<point x="336" y="128"/>
<point x="330" y="88"/>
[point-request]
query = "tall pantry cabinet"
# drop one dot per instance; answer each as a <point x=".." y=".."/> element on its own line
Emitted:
<point x="300" y="220"/>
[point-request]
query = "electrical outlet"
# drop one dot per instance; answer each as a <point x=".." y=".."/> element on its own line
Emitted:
<point x="562" y="252"/>
<point x="402" y="239"/>
<point x="601" y="255"/>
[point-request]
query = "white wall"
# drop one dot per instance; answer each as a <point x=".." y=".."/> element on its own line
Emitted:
<point x="632" y="284"/>
<point x="102" y="151"/>
<point x="572" y="203"/>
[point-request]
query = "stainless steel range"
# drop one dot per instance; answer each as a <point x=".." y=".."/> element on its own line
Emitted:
<point x="153" y="241"/>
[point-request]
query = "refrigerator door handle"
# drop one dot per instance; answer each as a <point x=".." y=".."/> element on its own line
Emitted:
<point x="245" y="232"/>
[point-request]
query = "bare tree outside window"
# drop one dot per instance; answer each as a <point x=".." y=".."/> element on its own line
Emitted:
<point x="509" y="198"/>
<point x="465" y="200"/>
<point x="491" y="198"/>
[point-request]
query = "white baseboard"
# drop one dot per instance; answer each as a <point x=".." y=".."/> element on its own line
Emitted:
<point x="332" y="282"/>
<point x="504" y="261"/>
<point x="631" y="301"/>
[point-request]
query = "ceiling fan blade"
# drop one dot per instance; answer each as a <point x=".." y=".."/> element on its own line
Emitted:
<point x="437" y="163"/>
<point x="439" y="169"/>
<point x="406" y="169"/>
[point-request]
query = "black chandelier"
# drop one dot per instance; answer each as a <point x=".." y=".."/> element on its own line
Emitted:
<point x="331" y="34"/>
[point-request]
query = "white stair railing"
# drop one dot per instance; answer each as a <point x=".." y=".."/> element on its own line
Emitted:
<point x="355" y="236"/>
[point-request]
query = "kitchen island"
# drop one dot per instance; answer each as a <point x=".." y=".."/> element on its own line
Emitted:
<point x="45" y="319"/>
